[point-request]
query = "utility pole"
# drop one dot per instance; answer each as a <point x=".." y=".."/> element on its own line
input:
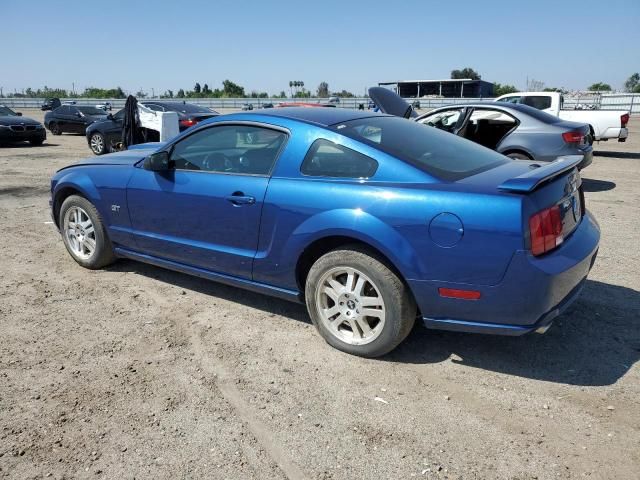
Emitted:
<point x="153" y="92"/>
<point x="73" y="88"/>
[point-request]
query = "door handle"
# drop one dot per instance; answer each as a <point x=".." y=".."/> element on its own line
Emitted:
<point x="239" y="198"/>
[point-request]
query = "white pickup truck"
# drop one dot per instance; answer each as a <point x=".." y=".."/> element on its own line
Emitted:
<point x="604" y="124"/>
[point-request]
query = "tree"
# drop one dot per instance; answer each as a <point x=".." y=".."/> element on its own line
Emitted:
<point x="197" y="88"/>
<point x="206" y="90"/>
<point x="140" y="94"/>
<point x="632" y="85"/>
<point x="343" y="94"/>
<point x="554" y="89"/>
<point x="180" y="93"/>
<point x="600" y="87"/>
<point x="283" y="94"/>
<point x="323" y="90"/>
<point x="499" y="89"/>
<point x="230" y="89"/>
<point x="467" y="72"/>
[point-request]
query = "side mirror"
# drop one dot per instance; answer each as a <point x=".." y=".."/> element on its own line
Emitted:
<point x="157" y="162"/>
<point x="19" y="114"/>
<point x="110" y="117"/>
<point x="78" y="114"/>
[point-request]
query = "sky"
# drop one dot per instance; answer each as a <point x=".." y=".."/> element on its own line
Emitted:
<point x="351" y="44"/>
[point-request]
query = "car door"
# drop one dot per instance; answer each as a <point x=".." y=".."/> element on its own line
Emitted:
<point x="451" y="120"/>
<point x="61" y="116"/>
<point x="75" y="121"/>
<point x="205" y="210"/>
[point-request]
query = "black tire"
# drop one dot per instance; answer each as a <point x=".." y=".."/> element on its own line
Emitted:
<point x="36" y="142"/>
<point x="103" y="253"/>
<point x="519" y="156"/>
<point x="98" y="144"/>
<point x="54" y="128"/>
<point x="400" y="307"/>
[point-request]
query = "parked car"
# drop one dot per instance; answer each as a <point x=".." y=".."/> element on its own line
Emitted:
<point x="304" y="104"/>
<point x="267" y="105"/>
<point x="103" y="136"/>
<point x="50" y="104"/>
<point x="603" y="124"/>
<point x="72" y="118"/>
<point x="369" y="219"/>
<point x="517" y="131"/>
<point x="247" y="107"/>
<point x="106" y="106"/>
<point x="15" y="128"/>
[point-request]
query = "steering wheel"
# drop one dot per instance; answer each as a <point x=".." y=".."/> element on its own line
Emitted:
<point x="217" y="162"/>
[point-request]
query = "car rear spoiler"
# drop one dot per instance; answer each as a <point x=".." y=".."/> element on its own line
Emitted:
<point x="528" y="182"/>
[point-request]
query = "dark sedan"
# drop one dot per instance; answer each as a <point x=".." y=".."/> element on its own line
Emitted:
<point x="103" y="136"/>
<point x="15" y="128"/>
<point x="72" y="118"/>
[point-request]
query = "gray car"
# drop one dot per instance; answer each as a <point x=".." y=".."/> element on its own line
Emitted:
<point x="518" y="131"/>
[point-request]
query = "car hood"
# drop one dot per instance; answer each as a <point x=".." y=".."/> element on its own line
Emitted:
<point x="11" y="120"/>
<point x="128" y="157"/>
<point x="391" y="103"/>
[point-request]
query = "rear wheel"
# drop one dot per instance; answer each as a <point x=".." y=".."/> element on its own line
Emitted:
<point x="54" y="128"/>
<point x="84" y="234"/>
<point x="357" y="303"/>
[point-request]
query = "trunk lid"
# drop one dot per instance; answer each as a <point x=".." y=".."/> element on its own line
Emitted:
<point x="540" y="187"/>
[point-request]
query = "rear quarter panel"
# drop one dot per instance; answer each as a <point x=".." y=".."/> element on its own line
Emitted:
<point x="391" y="212"/>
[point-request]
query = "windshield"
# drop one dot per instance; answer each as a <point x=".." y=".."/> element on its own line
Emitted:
<point x="438" y="153"/>
<point x="6" y="111"/>
<point x="187" y="108"/>
<point x="91" y="111"/>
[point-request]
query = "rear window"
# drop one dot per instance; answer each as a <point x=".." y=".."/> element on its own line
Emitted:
<point x="537" y="101"/>
<point x="438" y="153"/>
<point x="92" y="111"/>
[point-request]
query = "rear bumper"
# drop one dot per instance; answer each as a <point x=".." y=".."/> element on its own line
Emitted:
<point x="533" y="292"/>
<point x="621" y="133"/>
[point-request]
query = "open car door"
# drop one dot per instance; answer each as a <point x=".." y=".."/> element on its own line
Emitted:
<point x="391" y="103"/>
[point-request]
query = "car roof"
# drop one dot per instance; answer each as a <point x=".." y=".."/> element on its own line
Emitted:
<point x="320" y="116"/>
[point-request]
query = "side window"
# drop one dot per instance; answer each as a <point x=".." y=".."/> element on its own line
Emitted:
<point x="540" y="102"/>
<point x="445" y="120"/>
<point x="63" y="110"/>
<point x="119" y="115"/>
<point x="515" y="99"/>
<point x="239" y="149"/>
<point x="328" y="159"/>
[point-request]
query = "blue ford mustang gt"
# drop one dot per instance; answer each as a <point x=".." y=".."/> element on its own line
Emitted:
<point x="372" y="220"/>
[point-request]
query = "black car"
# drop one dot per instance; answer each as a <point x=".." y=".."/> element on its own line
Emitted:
<point x="103" y="136"/>
<point x="50" y="104"/>
<point x="15" y="128"/>
<point x="72" y="118"/>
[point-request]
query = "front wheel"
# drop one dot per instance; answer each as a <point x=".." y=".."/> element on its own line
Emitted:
<point x="357" y="303"/>
<point x="98" y="144"/>
<point x="84" y="234"/>
<point x="36" y="142"/>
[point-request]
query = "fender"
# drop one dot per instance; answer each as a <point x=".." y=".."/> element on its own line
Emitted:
<point x="272" y="262"/>
<point x="80" y="181"/>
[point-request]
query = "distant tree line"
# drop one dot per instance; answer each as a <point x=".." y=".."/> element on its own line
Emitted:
<point x="296" y="88"/>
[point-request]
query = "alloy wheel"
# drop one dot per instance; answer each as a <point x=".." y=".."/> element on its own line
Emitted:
<point x="80" y="233"/>
<point x="350" y="305"/>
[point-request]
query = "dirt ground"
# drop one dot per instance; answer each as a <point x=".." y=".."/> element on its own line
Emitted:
<point x="137" y="372"/>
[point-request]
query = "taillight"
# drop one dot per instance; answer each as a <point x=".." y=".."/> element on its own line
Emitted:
<point x="624" y="119"/>
<point x="545" y="228"/>
<point x="188" y="122"/>
<point x="573" y="137"/>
